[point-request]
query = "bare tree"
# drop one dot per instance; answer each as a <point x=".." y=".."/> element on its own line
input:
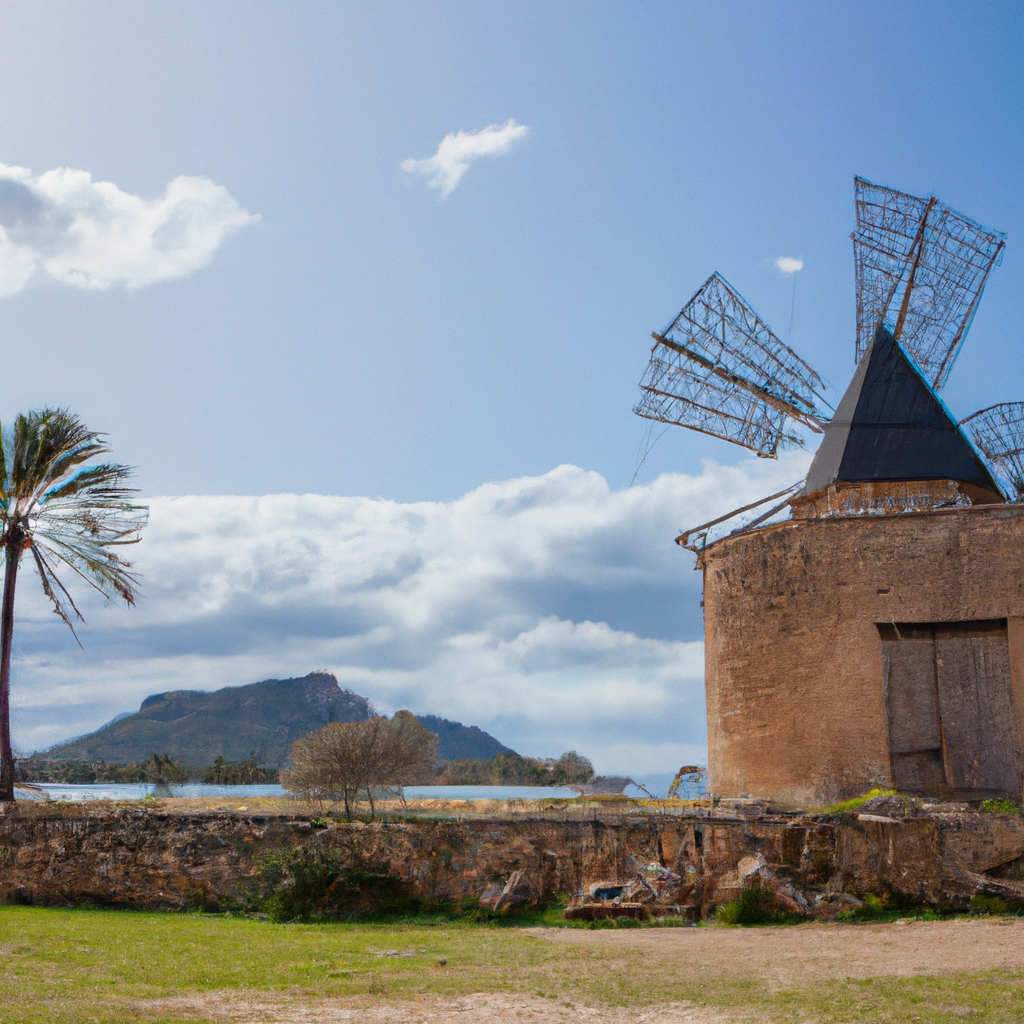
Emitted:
<point x="571" y="768"/>
<point x="406" y="753"/>
<point x="343" y="759"/>
<point x="329" y="765"/>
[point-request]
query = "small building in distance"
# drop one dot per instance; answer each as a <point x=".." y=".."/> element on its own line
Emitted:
<point x="876" y="638"/>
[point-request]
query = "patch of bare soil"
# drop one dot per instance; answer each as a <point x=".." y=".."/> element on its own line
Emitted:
<point x="776" y="957"/>
<point x="479" y="1008"/>
<point x="803" y="954"/>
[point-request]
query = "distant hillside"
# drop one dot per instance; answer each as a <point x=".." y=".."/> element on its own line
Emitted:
<point x="196" y="727"/>
<point x="462" y="742"/>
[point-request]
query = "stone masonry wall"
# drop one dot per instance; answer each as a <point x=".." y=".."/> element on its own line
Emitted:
<point x="138" y="858"/>
<point x="793" y="654"/>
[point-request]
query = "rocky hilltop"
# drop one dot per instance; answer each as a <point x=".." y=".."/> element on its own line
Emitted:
<point x="460" y="742"/>
<point x="267" y="717"/>
<point x="196" y="727"/>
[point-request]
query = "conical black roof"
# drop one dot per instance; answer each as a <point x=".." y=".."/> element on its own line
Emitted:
<point x="891" y="426"/>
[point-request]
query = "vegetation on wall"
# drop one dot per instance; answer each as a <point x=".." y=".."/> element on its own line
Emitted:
<point x="316" y="883"/>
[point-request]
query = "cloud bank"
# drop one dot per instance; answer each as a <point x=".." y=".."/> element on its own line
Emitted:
<point x="789" y="265"/>
<point x="64" y="226"/>
<point x="444" y="170"/>
<point x="552" y="611"/>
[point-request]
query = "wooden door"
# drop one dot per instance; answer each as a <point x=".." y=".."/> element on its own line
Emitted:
<point x="912" y="705"/>
<point x="952" y="729"/>
<point x="979" y="732"/>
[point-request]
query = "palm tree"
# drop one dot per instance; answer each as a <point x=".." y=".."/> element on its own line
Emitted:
<point x="65" y="514"/>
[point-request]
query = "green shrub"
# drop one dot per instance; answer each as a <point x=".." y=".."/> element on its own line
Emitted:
<point x="852" y="805"/>
<point x="1001" y="807"/>
<point x="313" y="883"/>
<point x="982" y="904"/>
<point x="872" y="909"/>
<point x="756" y="905"/>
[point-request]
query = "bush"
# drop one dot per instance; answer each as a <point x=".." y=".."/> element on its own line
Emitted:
<point x="872" y="909"/>
<point x="857" y="801"/>
<point x="1001" y="807"/>
<point x="757" y="905"/>
<point x="982" y="904"/>
<point x="571" y="767"/>
<point x="314" y="884"/>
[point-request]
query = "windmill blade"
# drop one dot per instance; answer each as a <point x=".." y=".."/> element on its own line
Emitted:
<point x="998" y="433"/>
<point x="920" y="269"/>
<point x="887" y="227"/>
<point x="676" y="394"/>
<point x="719" y="369"/>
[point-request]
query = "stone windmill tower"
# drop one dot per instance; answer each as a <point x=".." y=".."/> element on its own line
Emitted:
<point x="865" y="627"/>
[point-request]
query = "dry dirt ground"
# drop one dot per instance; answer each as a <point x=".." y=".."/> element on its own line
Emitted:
<point x="791" y="957"/>
<point x="777" y="958"/>
<point x="480" y="1008"/>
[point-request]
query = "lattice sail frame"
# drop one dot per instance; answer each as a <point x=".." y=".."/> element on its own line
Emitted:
<point x="920" y="268"/>
<point x="719" y="369"/>
<point x="998" y="433"/>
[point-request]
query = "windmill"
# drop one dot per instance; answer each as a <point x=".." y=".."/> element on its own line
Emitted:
<point x="920" y="269"/>
<point x="998" y="432"/>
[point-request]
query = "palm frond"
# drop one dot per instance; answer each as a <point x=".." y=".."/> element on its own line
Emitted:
<point x="103" y="570"/>
<point x="50" y="586"/>
<point x="70" y="514"/>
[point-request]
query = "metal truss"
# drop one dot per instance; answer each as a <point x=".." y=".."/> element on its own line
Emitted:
<point x="696" y="539"/>
<point x="719" y="369"/>
<point x="998" y="432"/>
<point x="920" y="269"/>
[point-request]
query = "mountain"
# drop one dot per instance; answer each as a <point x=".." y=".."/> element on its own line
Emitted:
<point x="462" y="742"/>
<point x="196" y="727"/>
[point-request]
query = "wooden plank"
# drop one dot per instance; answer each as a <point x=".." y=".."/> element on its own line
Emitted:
<point x="1015" y="636"/>
<point x="911" y="696"/>
<point x="912" y="706"/>
<point x="976" y="708"/>
<point x="921" y="772"/>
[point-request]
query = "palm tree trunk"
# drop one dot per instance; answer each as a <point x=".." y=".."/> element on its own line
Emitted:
<point x="13" y="556"/>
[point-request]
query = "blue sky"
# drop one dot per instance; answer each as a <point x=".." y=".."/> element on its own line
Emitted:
<point x="366" y="336"/>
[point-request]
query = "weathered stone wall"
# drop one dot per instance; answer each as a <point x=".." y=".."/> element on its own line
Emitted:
<point x="137" y="858"/>
<point x="792" y="649"/>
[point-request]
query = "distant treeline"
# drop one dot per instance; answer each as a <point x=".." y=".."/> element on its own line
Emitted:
<point x="158" y="768"/>
<point x="503" y="770"/>
<point x="515" y="770"/>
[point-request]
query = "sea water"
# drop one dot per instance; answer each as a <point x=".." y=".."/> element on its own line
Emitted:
<point x="140" y="790"/>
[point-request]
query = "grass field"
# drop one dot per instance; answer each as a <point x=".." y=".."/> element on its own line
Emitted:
<point x="114" y="966"/>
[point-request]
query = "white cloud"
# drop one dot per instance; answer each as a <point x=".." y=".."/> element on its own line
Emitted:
<point x="789" y="265"/>
<point x="551" y="611"/>
<point x="65" y="226"/>
<point x="444" y="170"/>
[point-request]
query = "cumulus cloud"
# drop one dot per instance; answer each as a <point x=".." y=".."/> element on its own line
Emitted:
<point x="65" y="226"/>
<point x="789" y="265"/>
<point x="551" y="611"/>
<point x="444" y="170"/>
